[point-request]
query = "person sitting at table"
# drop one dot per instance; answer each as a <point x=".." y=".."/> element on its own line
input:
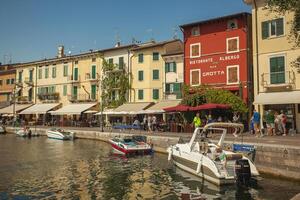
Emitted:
<point x="136" y="122"/>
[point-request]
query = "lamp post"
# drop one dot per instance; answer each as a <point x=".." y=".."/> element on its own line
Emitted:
<point x="101" y="96"/>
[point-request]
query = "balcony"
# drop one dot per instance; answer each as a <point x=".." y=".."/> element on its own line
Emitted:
<point x="89" y="77"/>
<point x="23" y="100"/>
<point x="49" y="97"/>
<point x="82" y="98"/>
<point x="173" y="95"/>
<point x="29" y="81"/>
<point x="278" y="81"/>
<point x="74" y="79"/>
<point x="19" y="83"/>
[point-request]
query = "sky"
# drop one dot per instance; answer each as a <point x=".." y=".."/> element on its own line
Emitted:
<point x="32" y="29"/>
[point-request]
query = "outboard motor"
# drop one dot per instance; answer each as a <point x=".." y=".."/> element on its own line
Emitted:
<point x="242" y="171"/>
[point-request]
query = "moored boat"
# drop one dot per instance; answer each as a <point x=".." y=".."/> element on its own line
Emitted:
<point x="26" y="132"/>
<point x="130" y="145"/>
<point x="207" y="160"/>
<point x="2" y="130"/>
<point x="59" y="134"/>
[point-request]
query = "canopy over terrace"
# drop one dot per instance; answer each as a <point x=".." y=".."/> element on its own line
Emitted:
<point x="128" y="109"/>
<point x="10" y="109"/>
<point x="291" y="97"/>
<point x="73" y="109"/>
<point x="158" y="108"/>
<point x="39" y="108"/>
<point x="185" y="108"/>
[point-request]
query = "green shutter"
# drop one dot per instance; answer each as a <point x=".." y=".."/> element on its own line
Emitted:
<point x="65" y="90"/>
<point x="176" y="87"/>
<point x="93" y="91"/>
<point x="265" y="29"/>
<point x="93" y="71"/>
<point x="167" y="67"/>
<point x="141" y="75"/>
<point x="121" y="62"/>
<point x="75" y="74"/>
<point x="31" y="75"/>
<point x="47" y="72"/>
<point x="277" y="70"/>
<point x="279" y="27"/>
<point x="65" y="70"/>
<point x="168" y="88"/>
<point x="53" y="72"/>
<point x="155" y="93"/>
<point x="75" y="90"/>
<point x="155" y="74"/>
<point x="141" y="58"/>
<point x="141" y="94"/>
<point x="155" y="56"/>
<point x="174" y="65"/>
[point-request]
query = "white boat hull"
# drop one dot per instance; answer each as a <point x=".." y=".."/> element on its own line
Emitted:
<point x="59" y="135"/>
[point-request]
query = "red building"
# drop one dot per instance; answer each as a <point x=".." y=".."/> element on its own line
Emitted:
<point x="218" y="52"/>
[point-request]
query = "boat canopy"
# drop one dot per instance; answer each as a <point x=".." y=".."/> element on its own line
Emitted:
<point x="10" y="109"/>
<point x="42" y="108"/>
<point x="73" y="109"/>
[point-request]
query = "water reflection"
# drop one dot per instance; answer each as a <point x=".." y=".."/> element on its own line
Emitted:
<point x="40" y="168"/>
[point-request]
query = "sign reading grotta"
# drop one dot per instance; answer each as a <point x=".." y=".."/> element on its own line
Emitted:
<point x="210" y="60"/>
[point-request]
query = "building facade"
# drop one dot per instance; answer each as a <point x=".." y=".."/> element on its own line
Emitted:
<point x="7" y="84"/>
<point x="148" y="70"/>
<point x="173" y="77"/>
<point x="217" y="53"/>
<point x="276" y="81"/>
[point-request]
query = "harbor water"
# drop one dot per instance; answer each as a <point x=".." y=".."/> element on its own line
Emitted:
<point x="42" y="168"/>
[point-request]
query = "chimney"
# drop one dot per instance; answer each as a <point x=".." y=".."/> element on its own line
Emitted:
<point x="60" y="52"/>
<point x="118" y="44"/>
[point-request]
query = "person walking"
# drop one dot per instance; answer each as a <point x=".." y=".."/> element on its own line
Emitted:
<point x="149" y="124"/>
<point x="154" y="123"/>
<point x="235" y="118"/>
<point x="256" y="122"/>
<point x="283" y="120"/>
<point x="197" y="120"/>
<point x="145" y="123"/>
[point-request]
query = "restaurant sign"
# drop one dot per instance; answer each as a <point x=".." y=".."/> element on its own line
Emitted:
<point x="214" y="59"/>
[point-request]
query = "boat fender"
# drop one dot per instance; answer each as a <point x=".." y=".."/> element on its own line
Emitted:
<point x="170" y="153"/>
<point x="198" y="168"/>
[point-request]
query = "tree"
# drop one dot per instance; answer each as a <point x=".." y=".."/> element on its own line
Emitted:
<point x="203" y="94"/>
<point x="114" y="85"/>
<point x="284" y="6"/>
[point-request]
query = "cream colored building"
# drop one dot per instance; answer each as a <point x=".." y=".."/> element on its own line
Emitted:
<point x="148" y="70"/>
<point x="276" y="82"/>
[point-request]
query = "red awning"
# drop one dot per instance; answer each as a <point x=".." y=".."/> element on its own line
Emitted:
<point x="210" y="106"/>
<point x="178" y="108"/>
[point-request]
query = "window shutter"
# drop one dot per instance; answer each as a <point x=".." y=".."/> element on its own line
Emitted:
<point x="265" y="29"/>
<point x="279" y="27"/>
<point x="167" y="87"/>
<point x="167" y="68"/>
<point x="174" y="67"/>
<point x="176" y="87"/>
<point x="155" y="94"/>
<point x="141" y="75"/>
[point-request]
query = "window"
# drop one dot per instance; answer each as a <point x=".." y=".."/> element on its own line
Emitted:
<point x="46" y="72"/>
<point x="140" y="94"/>
<point x="12" y="81"/>
<point x="40" y="73"/>
<point x="20" y="77"/>
<point x="155" y="74"/>
<point x="75" y="75"/>
<point x="93" y="91"/>
<point x="232" y="45"/>
<point x="7" y="81"/>
<point x="75" y="92"/>
<point x="65" y="90"/>
<point x="93" y="59"/>
<point x="233" y="74"/>
<point x="93" y="71"/>
<point x="277" y="70"/>
<point x="195" y="50"/>
<point x="174" y="88"/>
<point x="53" y="72"/>
<point x="195" y="77"/>
<point x="141" y="58"/>
<point x="121" y="62"/>
<point x="65" y="70"/>
<point x="140" y="75"/>
<point x="171" y="67"/>
<point x="232" y="24"/>
<point x="195" y="31"/>
<point x="1" y="82"/>
<point x="155" y="56"/>
<point x="272" y="28"/>
<point x="111" y="61"/>
<point x="31" y="75"/>
<point x="76" y="62"/>
<point x="155" y="94"/>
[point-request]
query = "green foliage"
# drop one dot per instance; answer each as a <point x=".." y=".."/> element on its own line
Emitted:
<point x="114" y="81"/>
<point x="203" y="94"/>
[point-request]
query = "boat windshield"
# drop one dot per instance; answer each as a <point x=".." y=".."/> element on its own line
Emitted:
<point x="127" y="140"/>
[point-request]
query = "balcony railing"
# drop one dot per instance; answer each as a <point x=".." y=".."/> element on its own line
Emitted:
<point x="173" y="95"/>
<point x="28" y="81"/>
<point x="275" y="80"/>
<point x="74" y="79"/>
<point x="82" y="98"/>
<point x="19" y="82"/>
<point x="89" y="77"/>
<point x="49" y="96"/>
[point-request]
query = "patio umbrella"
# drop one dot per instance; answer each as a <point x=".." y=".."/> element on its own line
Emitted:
<point x="210" y="106"/>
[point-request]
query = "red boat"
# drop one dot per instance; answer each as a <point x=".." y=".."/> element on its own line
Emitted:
<point x="131" y="145"/>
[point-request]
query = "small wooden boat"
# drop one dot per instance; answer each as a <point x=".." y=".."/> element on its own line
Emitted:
<point x="59" y="134"/>
<point x="131" y="145"/>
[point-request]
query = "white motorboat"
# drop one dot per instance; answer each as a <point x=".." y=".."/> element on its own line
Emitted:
<point x="2" y="130"/>
<point x="56" y="133"/>
<point x="207" y="160"/>
<point x="24" y="132"/>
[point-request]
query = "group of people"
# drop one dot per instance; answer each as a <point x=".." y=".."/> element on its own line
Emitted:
<point x="150" y="123"/>
<point x="275" y="123"/>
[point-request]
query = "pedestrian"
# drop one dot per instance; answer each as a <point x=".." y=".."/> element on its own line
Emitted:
<point x="154" y="123"/>
<point x="197" y="120"/>
<point x="256" y="122"/>
<point x="145" y="123"/>
<point x="270" y="122"/>
<point x="251" y="126"/>
<point x="235" y="118"/>
<point x="149" y="123"/>
<point x="283" y="122"/>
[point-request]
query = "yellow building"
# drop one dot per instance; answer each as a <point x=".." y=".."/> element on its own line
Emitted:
<point x="148" y="70"/>
<point x="276" y="82"/>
